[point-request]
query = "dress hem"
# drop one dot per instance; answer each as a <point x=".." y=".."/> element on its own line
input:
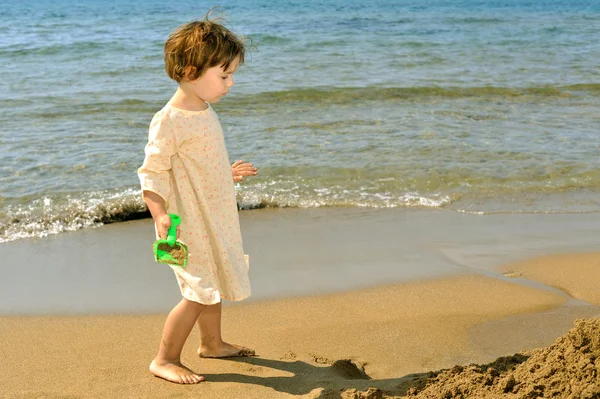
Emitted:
<point x="234" y="299"/>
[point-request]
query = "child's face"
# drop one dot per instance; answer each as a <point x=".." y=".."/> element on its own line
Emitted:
<point x="214" y="83"/>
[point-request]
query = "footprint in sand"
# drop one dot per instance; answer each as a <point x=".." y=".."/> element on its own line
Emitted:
<point x="349" y="369"/>
<point x="346" y="368"/>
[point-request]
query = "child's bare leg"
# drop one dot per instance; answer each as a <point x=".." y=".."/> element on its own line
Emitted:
<point x="211" y="342"/>
<point x="167" y="363"/>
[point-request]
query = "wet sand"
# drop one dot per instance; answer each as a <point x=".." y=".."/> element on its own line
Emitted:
<point x="293" y="252"/>
<point x="429" y="300"/>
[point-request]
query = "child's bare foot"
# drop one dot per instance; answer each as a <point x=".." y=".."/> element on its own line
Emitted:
<point x="225" y="350"/>
<point x="174" y="372"/>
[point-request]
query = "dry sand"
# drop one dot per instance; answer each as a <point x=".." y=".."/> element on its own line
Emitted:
<point x="569" y="368"/>
<point x="575" y="274"/>
<point x="357" y="344"/>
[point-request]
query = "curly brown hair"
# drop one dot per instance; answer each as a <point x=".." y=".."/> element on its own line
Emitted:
<point x="198" y="45"/>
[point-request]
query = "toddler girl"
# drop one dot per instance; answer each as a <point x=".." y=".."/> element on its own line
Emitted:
<point x="186" y="171"/>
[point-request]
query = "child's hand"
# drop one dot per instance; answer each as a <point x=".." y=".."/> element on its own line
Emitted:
<point x="240" y="170"/>
<point x="163" y="223"/>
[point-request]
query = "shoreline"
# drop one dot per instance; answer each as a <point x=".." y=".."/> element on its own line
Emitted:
<point x="293" y="253"/>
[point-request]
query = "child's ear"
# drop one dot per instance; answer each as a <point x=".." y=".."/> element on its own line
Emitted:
<point x="189" y="72"/>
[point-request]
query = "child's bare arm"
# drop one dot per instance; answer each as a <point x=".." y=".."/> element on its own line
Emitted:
<point x="157" y="208"/>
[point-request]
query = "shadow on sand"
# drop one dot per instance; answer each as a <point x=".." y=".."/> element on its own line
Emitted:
<point x="331" y="379"/>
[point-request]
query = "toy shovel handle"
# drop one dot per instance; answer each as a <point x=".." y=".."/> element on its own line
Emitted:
<point x="172" y="234"/>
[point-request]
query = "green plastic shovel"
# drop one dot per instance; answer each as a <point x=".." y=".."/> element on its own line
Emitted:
<point x="171" y="251"/>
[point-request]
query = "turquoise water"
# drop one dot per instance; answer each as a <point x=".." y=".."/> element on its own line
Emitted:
<point x="474" y="106"/>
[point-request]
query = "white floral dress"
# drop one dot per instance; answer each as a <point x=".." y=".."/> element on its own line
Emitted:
<point x="187" y="164"/>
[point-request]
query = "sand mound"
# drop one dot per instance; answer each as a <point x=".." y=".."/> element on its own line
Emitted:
<point x="569" y="368"/>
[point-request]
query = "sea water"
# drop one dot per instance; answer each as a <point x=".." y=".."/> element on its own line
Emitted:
<point x="468" y="105"/>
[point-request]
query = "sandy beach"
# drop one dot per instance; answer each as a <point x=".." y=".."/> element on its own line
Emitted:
<point x="347" y="304"/>
<point x="424" y="223"/>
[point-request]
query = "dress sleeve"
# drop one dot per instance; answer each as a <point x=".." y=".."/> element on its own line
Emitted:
<point x="154" y="174"/>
